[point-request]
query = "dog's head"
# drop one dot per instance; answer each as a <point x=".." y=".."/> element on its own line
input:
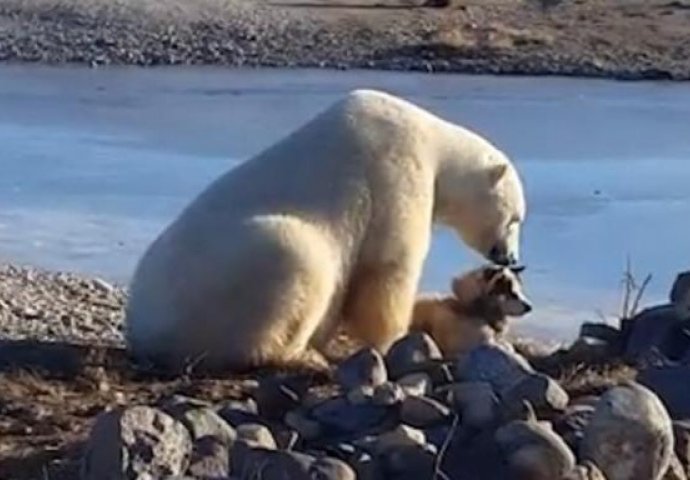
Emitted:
<point x="500" y="285"/>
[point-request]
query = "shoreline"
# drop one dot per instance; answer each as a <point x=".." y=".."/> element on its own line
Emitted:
<point x="500" y="38"/>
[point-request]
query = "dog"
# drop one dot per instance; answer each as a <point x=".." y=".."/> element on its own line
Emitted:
<point x="476" y="313"/>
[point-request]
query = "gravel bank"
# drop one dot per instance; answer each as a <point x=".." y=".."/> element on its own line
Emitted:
<point x="605" y="38"/>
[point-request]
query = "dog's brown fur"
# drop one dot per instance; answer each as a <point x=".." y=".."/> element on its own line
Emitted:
<point x="476" y="313"/>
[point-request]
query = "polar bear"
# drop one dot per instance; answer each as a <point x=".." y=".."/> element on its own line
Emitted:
<point x="327" y="228"/>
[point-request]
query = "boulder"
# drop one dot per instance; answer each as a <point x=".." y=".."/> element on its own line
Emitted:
<point x="136" y="442"/>
<point x="681" y="435"/>
<point x="629" y="435"/>
<point x="416" y="384"/>
<point x="338" y="416"/>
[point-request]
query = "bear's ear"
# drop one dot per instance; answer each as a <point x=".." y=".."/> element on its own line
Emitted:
<point x="496" y="173"/>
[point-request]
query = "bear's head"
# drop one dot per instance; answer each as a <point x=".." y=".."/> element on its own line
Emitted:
<point x="484" y="203"/>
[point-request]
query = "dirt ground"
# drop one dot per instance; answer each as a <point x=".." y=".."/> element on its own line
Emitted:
<point x="623" y="39"/>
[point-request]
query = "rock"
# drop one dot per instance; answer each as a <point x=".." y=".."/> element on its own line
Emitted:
<point x="681" y="435"/>
<point x="571" y="424"/>
<point x="361" y="395"/>
<point x="210" y="459"/>
<point x="205" y="422"/>
<point x="256" y="436"/>
<point x="308" y="428"/>
<point x="409" y="353"/>
<point x="495" y="365"/>
<point x="675" y="470"/>
<point x="544" y="394"/>
<point x="237" y="412"/>
<point x="366" y="367"/>
<point x="680" y="294"/>
<point x="585" y="471"/>
<point x="337" y="416"/>
<point x="610" y="336"/>
<point x="651" y="331"/>
<point x="135" y="442"/>
<point x="413" y="462"/>
<point x="366" y="467"/>
<point x="416" y="384"/>
<point x="630" y="434"/>
<point x="401" y="436"/>
<point x="475" y="401"/>
<point x="534" y="451"/>
<point x="388" y="394"/>
<point x="423" y="412"/>
<point x="277" y="396"/>
<point x="283" y="465"/>
<point x="672" y="385"/>
<point x="327" y="468"/>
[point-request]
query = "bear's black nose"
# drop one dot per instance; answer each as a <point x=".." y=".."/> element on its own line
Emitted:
<point x="500" y="256"/>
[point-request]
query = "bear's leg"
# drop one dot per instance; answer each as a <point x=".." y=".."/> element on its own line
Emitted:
<point x="379" y="304"/>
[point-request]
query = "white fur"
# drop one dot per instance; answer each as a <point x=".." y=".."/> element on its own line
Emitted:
<point x="329" y="226"/>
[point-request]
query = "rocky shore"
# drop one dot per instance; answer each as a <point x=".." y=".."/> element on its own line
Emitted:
<point x="613" y="405"/>
<point x="599" y="38"/>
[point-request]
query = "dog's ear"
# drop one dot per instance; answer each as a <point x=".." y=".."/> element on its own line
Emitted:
<point x="491" y="272"/>
<point x="517" y="269"/>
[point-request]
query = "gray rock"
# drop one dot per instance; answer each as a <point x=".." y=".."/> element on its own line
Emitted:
<point x="338" y="415"/>
<point x="307" y="427"/>
<point x="572" y="423"/>
<point x="388" y="394"/>
<point x="283" y="465"/>
<point x="135" y="442"/>
<point x="277" y="396"/>
<point x="475" y="401"/>
<point x="544" y="394"/>
<point x="366" y="466"/>
<point x="256" y="436"/>
<point x="424" y="412"/>
<point x="534" y="451"/>
<point x="630" y="435"/>
<point x="672" y="385"/>
<point x="205" y="422"/>
<point x="401" y="436"/>
<point x="681" y="435"/>
<point x="416" y="384"/>
<point x="495" y="365"/>
<point x="210" y="459"/>
<point x="361" y="395"/>
<point x="675" y="470"/>
<point x="237" y="412"/>
<point x="651" y="333"/>
<point x="413" y="462"/>
<point x="585" y="471"/>
<point x="366" y="367"/>
<point x="680" y="294"/>
<point x="409" y="353"/>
